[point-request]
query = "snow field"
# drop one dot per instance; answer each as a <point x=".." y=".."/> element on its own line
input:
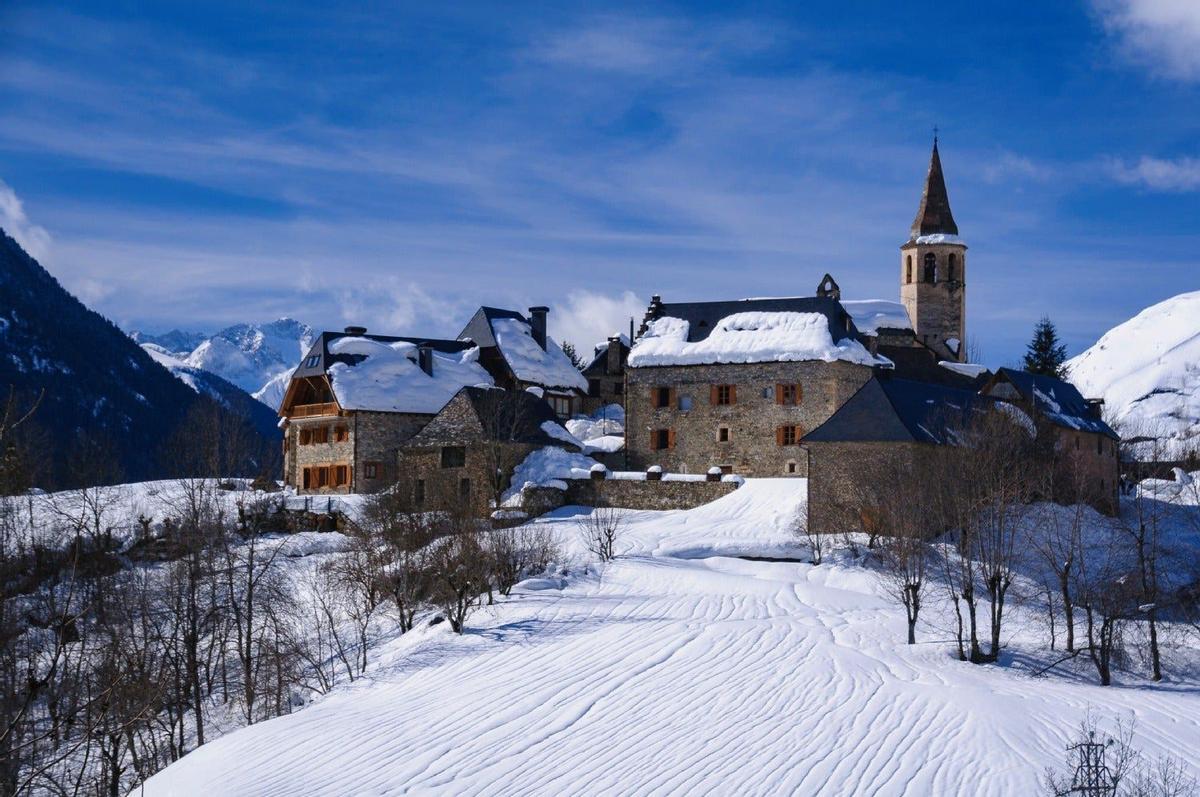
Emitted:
<point x="676" y="669"/>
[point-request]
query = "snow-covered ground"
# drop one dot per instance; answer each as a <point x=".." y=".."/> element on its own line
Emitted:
<point x="678" y="669"/>
<point x="1147" y="370"/>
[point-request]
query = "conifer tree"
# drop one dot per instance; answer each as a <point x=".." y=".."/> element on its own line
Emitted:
<point x="569" y="350"/>
<point x="1045" y="354"/>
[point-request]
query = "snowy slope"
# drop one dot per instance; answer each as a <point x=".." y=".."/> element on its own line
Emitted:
<point x="209" y="384"/>
<point x="251" y="355"/>
<point x="1147" y="370"/>
<point x="679" y="670"/>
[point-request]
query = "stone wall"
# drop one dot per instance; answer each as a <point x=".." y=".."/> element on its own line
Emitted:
<point x="752" y="448"/>
<point x="937" y="309"/>
<point x="840" y="474"/>
<point x="638" y="494"/>
<point x="421" y="475"/>
<point x="1088" y="469"/>
<point x="373" y="437"/>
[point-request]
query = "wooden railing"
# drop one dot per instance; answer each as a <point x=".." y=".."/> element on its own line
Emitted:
<point x="311" y="410"/>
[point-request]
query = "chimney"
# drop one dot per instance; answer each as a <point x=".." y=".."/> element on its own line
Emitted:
<point x="537" y="320"/>
<point x="1095" y="408"/>
<point x="425" y="358"/>
<point x="356" y="330"/>
<point x="652" y="312"/>
<point x="612" y="365"/>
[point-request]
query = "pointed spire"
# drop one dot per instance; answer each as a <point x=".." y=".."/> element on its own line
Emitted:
<point x="934" y="216"/>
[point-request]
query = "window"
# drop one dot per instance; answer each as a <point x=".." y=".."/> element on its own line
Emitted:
<point x="788" y="435"/>
<point x="723" y="395"/>
<point x="1076" y="442"/>
<point x="341" y="475"/>
<point x="419" y="491"/>
<point x="305" y="436"/>
<point x="454" y="456"/>
<point x="312" y="361"/>
<point x="307" y="480"/>
<point x="723" y="434"/>
<point x="464" y="488"/>
<point x="341" y="434"/>
<point x="323" y="476"/>
<point x="320" y="434"/>
<point x="1099" y="444"/>
<point x="685" y="403"/>
<point x="930" y="267"/>
<point x="791" y="466"/>
<point x="560" y="404"/>
<point x="952" y="267"/>
<point x="593" y="387"/>
<point x="371" y="470"/>
<point x="660" y="397"/>
<point x="788" y="394"/>
<point x="661" y="439"/>
<point x="908" y="269"/>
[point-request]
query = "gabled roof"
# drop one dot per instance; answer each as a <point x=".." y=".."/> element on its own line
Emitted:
<point x="510" y="334"/>
<point x="493" y="414"/>
<point x="382" y="373"/>
<point x="933" y="215"/>
<point x="900" y="410"/>
<point x="1058" y="401"/>
<point x="749" y="330"/>
<point x="599" y="361"/>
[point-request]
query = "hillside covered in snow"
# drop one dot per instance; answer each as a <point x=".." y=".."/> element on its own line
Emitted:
<point x="1147" y="370"/>
<point x="708" y="658"/>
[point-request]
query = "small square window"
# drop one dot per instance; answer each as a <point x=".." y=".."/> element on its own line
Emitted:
<point x="454" y="456"/>
<point x="685" y="403"/>
<point x="371" y="470"/>
<point x="341" y="434"/>
<point x="723" y="434"/>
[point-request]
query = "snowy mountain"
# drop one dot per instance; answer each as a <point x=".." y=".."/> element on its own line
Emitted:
<point x="94" y="382"/>
<point x="258" y="358"/>
<point x="1147" y="370"/>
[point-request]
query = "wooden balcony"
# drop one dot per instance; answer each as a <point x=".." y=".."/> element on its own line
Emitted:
<point x="314" y="410"/>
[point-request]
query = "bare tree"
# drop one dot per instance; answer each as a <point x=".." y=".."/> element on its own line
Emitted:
<point x="520" y="551"/>
<point x="601" y="530"/>
<point x="460" y="568"/>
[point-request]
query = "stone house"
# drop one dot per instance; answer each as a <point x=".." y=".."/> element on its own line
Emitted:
<point x="737" y="384"/>
<point x="519" y="355"/>
<point x="1088" y="447"/>
<point x="356" y="398"/>
<point x="889" y="425"/>
<point x="464" y="458"/>
<point x="605" y="374"/>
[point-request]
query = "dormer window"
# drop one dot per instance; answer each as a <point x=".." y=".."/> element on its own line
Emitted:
<point x="313" y="361"/>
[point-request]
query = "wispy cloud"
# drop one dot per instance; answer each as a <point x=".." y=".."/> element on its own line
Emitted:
<point x="32" y="238"/>
<point x="1161" y="35"/>
<point x="586" y="318"/>
<point x="1180" y="174"/>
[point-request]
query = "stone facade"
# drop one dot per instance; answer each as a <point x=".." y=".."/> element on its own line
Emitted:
<point x="638" y="494"/>
<point x="606" y="376"/>
<point x="368" y="450"/>
<point x="933" y="289"/>
<point x="691" y="425"/>
<point x="436" y="479"/>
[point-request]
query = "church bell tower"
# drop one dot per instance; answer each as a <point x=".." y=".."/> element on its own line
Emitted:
<point x="933" y="270"/>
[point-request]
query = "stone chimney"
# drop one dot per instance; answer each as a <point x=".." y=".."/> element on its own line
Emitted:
<point x="652" y="312"/>
<point x="355" y="331"/>
<point x="425" y="358"/>
<point x="537" y="321"/>
<point x="612" y="364"/>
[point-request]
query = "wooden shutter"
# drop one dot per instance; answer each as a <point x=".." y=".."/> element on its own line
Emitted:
<point x="799" y="393"/>
<point x="671" y="398"/>
<point x="670" y="438"/>
<point x="653" y="439"/>
<point x="712" y="394"/>
<point x="778" y="393"/>
<point x="733" y="394"/>
<point x="779" y="435"/>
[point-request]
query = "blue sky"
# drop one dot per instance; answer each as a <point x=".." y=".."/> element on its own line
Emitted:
<point x="396" y="165"/>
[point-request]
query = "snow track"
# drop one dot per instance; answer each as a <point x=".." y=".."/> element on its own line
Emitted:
<point x="682" y="676"/>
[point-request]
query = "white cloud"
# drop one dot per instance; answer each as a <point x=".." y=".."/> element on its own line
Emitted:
<point x="1162" y="35"/>
<point x="586" y="318"/>
<point x="1181" y="174"/>
<point x="32" y="238"/>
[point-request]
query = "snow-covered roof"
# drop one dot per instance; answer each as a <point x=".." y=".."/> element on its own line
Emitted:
<point x="1057" y="401"/>
<point x="939" y="238"/>
<point x="746" y="337"/>
<point x="549" y="367"/>
<point x="972" y="370"/>
<point x="872" y="315"/>
<point x="384" y="376"/>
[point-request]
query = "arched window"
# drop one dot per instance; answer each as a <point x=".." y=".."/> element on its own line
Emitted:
<point x="908" y="269"/>
<point x="930" y="267"/>
<point x="952" y="267"/>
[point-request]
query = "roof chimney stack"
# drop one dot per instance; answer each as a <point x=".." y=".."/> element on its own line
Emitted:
<point x="612" y="365"/>
<point x="425" y="358"/>
<point x="356" y="330"/>
<point x="537" y="322"/>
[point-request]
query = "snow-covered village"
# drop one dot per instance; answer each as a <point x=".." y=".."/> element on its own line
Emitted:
<point x="600" y="400"/>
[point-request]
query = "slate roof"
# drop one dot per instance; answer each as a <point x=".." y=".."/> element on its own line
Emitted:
<point x="479" y="328"/>
<point x="1058" y="401"/>
<point x="519" y="354"/>
<point x="703" y="316"/>
<point x="933" y="215"/>
<point x="320" y="349"/>
<point x="900" y="410"/>
<point x="513" y="416"/>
